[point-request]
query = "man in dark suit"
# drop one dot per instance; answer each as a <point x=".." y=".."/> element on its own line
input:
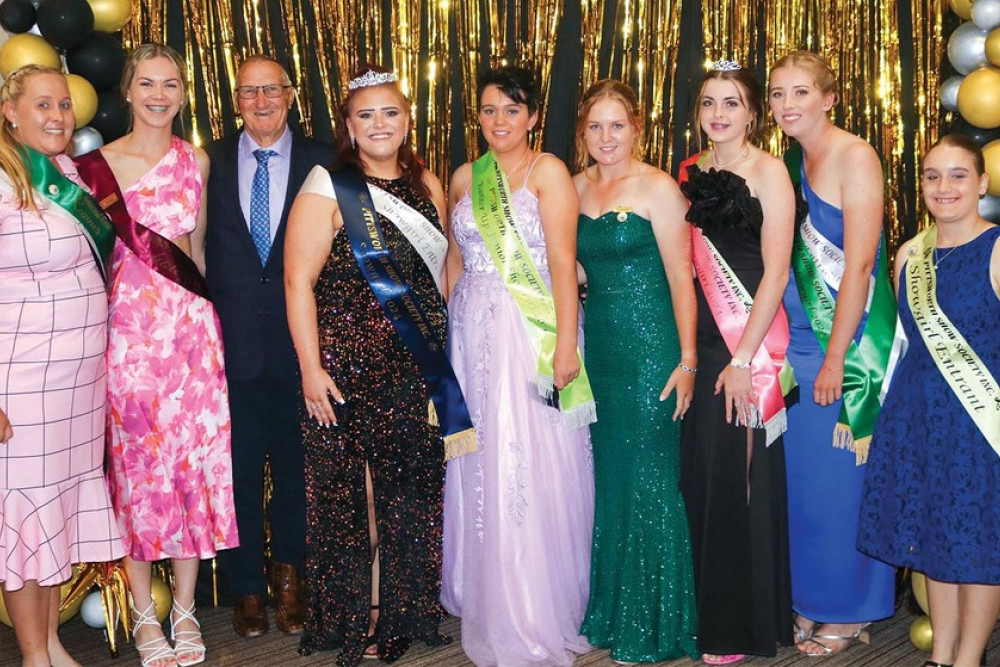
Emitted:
<point x="256" y="174"/>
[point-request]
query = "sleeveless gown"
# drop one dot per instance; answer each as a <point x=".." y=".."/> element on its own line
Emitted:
<point x="519" y="511"/>
<point x="383" y="424"/>
<point x="932" y="493"/>
<point x="642" y="603"/>
<point x="740" y="548"/>
<point x="54" y="504"/>
<point x="832" y="582"/>
<point x="170" y="463"/>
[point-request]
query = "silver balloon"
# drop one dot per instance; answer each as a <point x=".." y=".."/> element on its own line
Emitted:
<point x="967" y="47"/>
<point x="986" y="14"/>
<point x="989" y="208"/>
<point x="86" y="139"/>
<point x="35" y="31"/>
<point x="949" y="92"/>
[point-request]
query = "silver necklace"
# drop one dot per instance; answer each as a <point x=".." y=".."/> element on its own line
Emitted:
<point x="938" y="260"/>
<point x="743" y="153"/>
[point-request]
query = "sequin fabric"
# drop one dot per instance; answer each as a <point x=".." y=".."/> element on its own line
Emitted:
<point x="383" y="423"/>
<point x="642" y="602"/>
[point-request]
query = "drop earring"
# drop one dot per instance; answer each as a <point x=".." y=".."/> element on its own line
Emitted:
<point x="354" y="143"/>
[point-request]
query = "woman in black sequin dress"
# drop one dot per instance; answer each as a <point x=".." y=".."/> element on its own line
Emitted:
<point x="374" y="465"/>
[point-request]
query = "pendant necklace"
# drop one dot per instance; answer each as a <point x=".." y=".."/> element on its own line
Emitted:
<point x="937" y="260"/>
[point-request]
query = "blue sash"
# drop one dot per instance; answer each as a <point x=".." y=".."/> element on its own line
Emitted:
<point x="400" y="305"/>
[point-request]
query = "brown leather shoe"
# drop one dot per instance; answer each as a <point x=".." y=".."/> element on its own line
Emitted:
<point x="250" y="616"/>
<point x="289" y="611"/>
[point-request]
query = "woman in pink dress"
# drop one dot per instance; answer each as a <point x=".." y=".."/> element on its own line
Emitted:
<point x="171" y="471"/>
<point x="54" y="504"/>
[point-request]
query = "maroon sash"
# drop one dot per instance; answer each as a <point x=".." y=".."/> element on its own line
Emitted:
<point x="157" y="252"/>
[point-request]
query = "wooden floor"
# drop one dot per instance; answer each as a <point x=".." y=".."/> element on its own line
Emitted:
<point x="890" y="647"/>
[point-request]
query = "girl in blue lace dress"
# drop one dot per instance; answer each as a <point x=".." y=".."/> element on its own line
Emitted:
<point x="932" y="492"/>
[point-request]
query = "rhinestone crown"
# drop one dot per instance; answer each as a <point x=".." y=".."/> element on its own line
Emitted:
<point x="372" y="78"/>
<point x="722" y="65"/>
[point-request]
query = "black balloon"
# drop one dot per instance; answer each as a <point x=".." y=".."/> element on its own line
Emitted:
<point x="65" y="23"/>
<point x="99" y="60"/>
<point x="112" y="116"/>
<point x="977" y="134"/>
<point x="17" y="15"/>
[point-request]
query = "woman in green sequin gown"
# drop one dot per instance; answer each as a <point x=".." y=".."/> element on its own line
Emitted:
<point x="640" y="336"/>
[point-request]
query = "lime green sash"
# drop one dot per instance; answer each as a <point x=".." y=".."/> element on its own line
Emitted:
<point x="960" y="366"/>
<point x="815" y="261"/>
<point x="495" y="220"/>
<point x="74" y="200"/>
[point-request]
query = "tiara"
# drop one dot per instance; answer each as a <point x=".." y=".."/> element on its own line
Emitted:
<point x="722" y="65"/>
<point x="372" y="78"/>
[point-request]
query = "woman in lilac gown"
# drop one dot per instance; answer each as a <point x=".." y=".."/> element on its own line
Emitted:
<point x="518" y="512"/>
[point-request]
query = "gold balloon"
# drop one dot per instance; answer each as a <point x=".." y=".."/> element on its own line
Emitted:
<point x="993" y="47"/>
<point x="26" y="49"/>
<point x="64" y="615"/>
<point x="84" y="99"/>
<point x="963" y="8"/>
<point x="161" y="598"/>
<point x="921" y="633"/>
<point x="979" y="98"/>
<point x="991" y="152"/>
<point x="111" y="15"/>
<point x="919" y="583"/>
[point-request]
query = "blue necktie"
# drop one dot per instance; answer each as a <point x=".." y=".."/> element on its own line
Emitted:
<point x="260" y="205"/>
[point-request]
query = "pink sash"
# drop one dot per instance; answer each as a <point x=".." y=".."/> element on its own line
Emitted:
<point x="730" y="304"/>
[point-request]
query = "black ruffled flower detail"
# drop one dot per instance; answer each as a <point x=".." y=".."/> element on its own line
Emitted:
<point x="721" y="202"/>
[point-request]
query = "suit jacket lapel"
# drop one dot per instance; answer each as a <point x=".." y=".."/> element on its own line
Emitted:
<point x="229" y="173"/>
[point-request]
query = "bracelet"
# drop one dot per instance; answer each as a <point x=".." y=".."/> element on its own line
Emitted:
<point x="740" y="364"/>
<point x="687" y="369"/>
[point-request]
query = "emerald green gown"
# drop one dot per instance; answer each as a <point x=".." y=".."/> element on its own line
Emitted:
<point x="642" y="602"/>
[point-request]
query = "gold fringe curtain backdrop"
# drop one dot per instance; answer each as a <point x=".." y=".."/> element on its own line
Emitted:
<point x="517" y="32"/>
<point x="642" y="42"/>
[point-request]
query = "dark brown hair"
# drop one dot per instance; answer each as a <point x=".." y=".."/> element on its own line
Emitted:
<point x="967" y="144"/>
<point x="751" y="94"/>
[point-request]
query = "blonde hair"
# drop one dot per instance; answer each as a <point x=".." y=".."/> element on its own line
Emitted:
<point x="11" y="159"/>
<point x="610" y="89"/>
<point x="823" y="74"/>
<point x="149" y="51"/>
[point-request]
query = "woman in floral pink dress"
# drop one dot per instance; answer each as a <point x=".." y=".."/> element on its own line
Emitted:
<point x="171" y="471"/>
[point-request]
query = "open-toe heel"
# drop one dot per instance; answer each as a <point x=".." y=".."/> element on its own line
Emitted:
<point x="370" y="651"/>
<point x="156" y="652"/>
<point x="188" y="645"/>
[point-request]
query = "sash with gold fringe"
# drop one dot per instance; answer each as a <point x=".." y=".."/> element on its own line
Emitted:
<point x="818" y="265"/>
<point x="495" y="221"/>
<point x="403" y="309"/>
<point x="962" y="369"/>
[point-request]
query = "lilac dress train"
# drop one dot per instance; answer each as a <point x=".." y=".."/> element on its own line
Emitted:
<point x="519" y="511"/>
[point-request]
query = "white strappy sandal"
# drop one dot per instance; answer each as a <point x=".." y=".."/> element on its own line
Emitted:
<point x="156" y="652"/>
<point x="188" y="645"/>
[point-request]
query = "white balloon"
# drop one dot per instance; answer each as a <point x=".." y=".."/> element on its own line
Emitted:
<point x="92" y="610"/>
<point x="986" y="14"/>
<point x="949" y="92"/>
<point x="86" y="139"/>
<point x="35" y="31"/>
<point x="967" y="47"/>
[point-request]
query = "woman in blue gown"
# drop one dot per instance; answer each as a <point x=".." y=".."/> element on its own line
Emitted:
<point x="932" y="493"/>
<point x="841" y="314"/>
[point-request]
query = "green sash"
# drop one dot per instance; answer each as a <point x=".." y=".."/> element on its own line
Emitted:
<point x="74" y="200"/>
<point x="960" y="366"/>
<point x="495" y="220"/>
<point x="866" y="360"/>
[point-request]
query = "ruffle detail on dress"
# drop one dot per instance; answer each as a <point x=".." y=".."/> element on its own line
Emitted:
<point x="721" y="201"/>
<point x="45" y="530"/>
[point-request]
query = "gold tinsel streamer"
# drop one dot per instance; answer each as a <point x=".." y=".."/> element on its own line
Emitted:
<point x="650" y="38"/>
<point x="468" y="25"/>
<point x="928" y="45"/>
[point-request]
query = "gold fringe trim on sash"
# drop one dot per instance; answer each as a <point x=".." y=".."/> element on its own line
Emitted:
<point x="460" y="444"/>
<point x="432" y="415"/>
<point x="844" y="439"/>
